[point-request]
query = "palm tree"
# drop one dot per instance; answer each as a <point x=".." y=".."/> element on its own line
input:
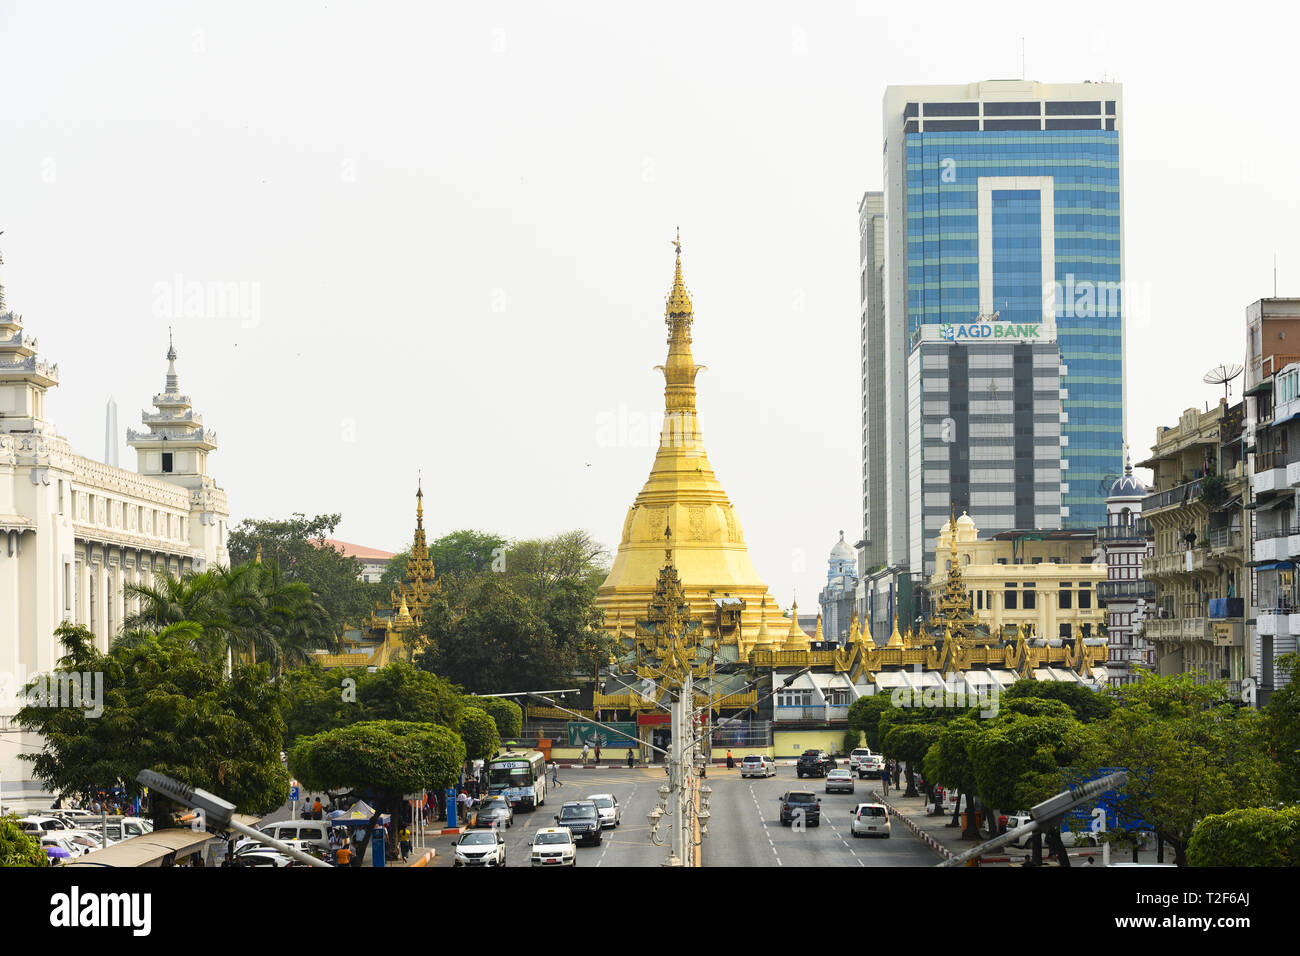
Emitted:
<point x="272" y="619"/>
<point x="168" y="600"/>
<point x="192" y="634"/>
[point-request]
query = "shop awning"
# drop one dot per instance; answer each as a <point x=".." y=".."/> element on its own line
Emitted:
<point x="1264" y="386"/>
<point x="1276" y="566"/>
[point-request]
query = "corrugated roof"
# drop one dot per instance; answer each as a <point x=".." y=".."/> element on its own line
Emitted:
<point x="358" y="551"/>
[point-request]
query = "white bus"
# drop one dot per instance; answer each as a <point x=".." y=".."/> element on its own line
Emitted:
<point x="519" y="776"/>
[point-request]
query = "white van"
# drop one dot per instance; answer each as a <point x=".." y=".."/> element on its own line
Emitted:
<point x="300" y="833"/>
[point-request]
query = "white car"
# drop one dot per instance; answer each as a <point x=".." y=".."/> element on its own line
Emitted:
<point x="758" y="766"/>
<point x="870" y="819"/>
<point x="839" y="781"/>
<point x="481" y="848"/>
<point x="554" y="846"/>
<point x="611" y="814"/>
<point x="74" y="850"/>
<point x="869" y="764"/>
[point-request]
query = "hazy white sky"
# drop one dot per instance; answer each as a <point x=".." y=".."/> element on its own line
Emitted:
<point x="450" y="225"/>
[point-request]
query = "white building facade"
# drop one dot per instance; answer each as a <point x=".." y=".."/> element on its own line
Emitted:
<point x="1127" y="540"/>
<point x="74" y="532"/>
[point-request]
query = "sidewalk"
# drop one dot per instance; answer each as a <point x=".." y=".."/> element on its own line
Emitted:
<point x="947" y="841"/>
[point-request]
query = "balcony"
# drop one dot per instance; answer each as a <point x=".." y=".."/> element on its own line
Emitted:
<point x="1177" y="495"/>
<point x="1273" y="622"/>
<point x="1178" y="630"/>
<point x="1138" y="531"/>
<point x="1270" y="471"/>
<point x="1223" y="538"/>
<point x="1175" y="562"/>
<point x="1110" y="592"/>
<point x="1293" y="473"/>
<point x="813" y="713"/>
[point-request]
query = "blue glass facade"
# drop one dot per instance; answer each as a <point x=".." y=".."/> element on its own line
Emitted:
<point x="943" y="172"/>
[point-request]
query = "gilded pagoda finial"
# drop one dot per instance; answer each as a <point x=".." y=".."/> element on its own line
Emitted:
<point x="895" y="639"/>
<point x="679" y="298"/>
<point x="258" y="558"/>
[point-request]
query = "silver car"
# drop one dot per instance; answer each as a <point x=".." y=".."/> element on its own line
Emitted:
<point x="870" y="819"/>
<point x="839" y="781"/>
<point x="611" y="814"/>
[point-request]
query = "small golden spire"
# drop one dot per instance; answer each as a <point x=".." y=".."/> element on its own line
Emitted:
<point x="895" y="639"/>
<point x="679" y="299"/>
<point x="258" y="559"/>
<point x="419" y="500"/>
<point x="817" y="635"/>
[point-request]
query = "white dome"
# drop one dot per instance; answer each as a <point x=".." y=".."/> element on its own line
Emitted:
<point x="843" y="551"/>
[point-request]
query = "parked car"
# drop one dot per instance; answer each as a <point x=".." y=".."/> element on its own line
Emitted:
<point x="481" y="848"/>
<point x="255" y="854"/>
<point x="554" y="846"/>
<point x="814" y="763"/>
<point x="583" y="820"/>
<point x="803" y="804"/>
<point x="611" y="814"/>
<point x="871" y="819"/>
<point x="869" y="764"/>
<point x="493" y="812"/>
<point x="1068" y="838"/>
<point x="839" y="781"/>
<point x="73" y="850"/>
<point x="297" y="833"/>
<point x="757" y="765"/>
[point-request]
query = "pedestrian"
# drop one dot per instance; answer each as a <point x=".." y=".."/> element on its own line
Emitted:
<point x="555" y="774"/>
<point x="598" y="753"/>
<point x="406" y="843"/>
<point x="585" y="747"/>
<point x="317" y="809"/>
<point x="731" y="761"/>
<point x="631" y="759"/>
<point x="884" y="779"/>
<point x="463" y="805"/>
<point x="898" y="772"/>
<point x="343" y="855"/>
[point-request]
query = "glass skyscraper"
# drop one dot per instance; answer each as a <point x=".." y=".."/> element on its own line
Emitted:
<point x="1003" y="223"/>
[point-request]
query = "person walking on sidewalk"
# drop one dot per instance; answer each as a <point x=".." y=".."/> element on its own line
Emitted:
<point x="585" y="747"/>
<point x="884" y="779"/>
<point x="598" y="753"/>
<point x="631" y="759"/>
<point x="555" y="774"/>
<point x="731" y="761"/>
<point x="898" y="772"/>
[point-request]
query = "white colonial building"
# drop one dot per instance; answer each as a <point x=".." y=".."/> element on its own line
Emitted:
<point x="1126" y="540"/>
<point x="75" y="532"/>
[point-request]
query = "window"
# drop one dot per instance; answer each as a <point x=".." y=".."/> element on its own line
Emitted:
<point x="1066" y="599"/>
<point x="1009" y="600"/>
<point x="1030" y="601"/>
<point x="167" y="462"/>
<point x="1085" y="600"/>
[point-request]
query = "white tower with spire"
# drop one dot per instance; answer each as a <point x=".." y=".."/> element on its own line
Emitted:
<point x="75" y="532"/>
<point x="110" y="433"/>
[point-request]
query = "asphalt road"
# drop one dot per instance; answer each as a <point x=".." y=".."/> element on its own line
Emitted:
<point x="746" y="830"/>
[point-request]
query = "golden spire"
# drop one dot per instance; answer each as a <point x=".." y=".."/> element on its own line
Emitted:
<point x="679" y="299"/>
<point x="258" y="559"/>
<point x="795" y="638"/>
<point x="895" y="639"/>
<point x="419" y="501"/>
<point x="817" y="635"/>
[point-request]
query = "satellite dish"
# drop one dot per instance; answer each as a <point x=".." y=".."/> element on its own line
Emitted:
<point x="1222" y="375"/>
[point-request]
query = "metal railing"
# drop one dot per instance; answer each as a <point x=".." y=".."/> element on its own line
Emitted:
<point x="1137" y="531"/>
<point x="1270" y="533"/>
<point x="1225" y="538"/>
<point x="1173" y="496"/>
<point x="1268" y="460"/>
<point x="1126" y="591"/>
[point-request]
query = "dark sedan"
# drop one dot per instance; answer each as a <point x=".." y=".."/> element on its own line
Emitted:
<point x="495" y="812"/>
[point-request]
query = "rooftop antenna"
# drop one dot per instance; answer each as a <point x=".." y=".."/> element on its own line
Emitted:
<point x="1222" y="375"/>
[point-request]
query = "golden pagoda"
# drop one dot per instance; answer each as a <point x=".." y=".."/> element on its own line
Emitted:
<point x="718" y="580"/>
<point x="380" y="639"/>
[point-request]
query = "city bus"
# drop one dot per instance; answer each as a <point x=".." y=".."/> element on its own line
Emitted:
<point x="519" y="776"/>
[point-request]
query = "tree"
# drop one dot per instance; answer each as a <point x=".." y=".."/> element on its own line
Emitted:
<point x="911" y="742"/>
<point x="297" y="545"/>
<point x="388" y="758"/>
<point x="573" y="558"/>
<point x="165" y="707"/>
<point x="497" y="640"/>
<point x="1088" y="705"/>
<point x="864" y="716"/>
<point x="1019" y="761"/>
<point x="17" y="847"/>
<point x="479" y="731"/>
<point x="195" y="598"/>
<point x="508" y="715"/>
<point x="1255" y="836"/>
<point x="456" y="556"/>
<point x="955" y="768"/>
<point x="272" y="618"/>
<point x="1188" y="751"/>
<point x="1282" y="728"/>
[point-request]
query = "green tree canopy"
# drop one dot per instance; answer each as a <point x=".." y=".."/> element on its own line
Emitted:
<point x="864" y="715"/>
<point x="1088" y="705"/>
<point x="1282" y="728"/>
<point x="479" y="731"/>
<point x="296" y="545"/>
<point x="169" y="708"/>
<point x="1248" y="837"/>
<point x="508" y="715"/>
<point x="1189" y="753"/>
<point x="389" y="756"/>
<point x="18" y="848"/>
